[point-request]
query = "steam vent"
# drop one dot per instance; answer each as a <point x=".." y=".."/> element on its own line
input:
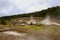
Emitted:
<point x="47" y="21"/>
<point x="32" y="21"/>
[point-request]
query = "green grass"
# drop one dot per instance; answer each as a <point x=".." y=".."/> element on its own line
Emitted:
<point x="27" y="28"/>
<point x="23" y="28"/>
<point x="31" y="28"/>
<point x="52" y="32"/>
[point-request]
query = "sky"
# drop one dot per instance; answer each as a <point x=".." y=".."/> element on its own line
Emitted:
<point x="13" y="7"/>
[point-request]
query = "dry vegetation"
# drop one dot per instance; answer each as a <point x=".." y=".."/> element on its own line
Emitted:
<point x="34" y="32"/>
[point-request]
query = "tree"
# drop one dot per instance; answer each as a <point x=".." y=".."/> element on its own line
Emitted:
<point x="3" y="22"/>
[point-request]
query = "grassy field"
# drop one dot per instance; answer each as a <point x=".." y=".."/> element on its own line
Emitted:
<point x="34" y="32"/>
<point x="31" y="27"/>
<point x="23" y="28"/>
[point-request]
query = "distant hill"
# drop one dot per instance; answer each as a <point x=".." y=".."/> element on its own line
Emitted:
<point x="54" y="12"/>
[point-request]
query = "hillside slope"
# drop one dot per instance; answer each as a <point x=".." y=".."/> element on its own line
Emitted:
<point x="54" y="12"/>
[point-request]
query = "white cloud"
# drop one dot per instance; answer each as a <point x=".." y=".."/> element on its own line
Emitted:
<point x="10" y="7"/>
<point x="30" y="5"/>
<point x="36" y="8"/>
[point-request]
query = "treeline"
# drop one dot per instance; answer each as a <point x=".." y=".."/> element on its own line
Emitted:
<point x="53" y="12"/>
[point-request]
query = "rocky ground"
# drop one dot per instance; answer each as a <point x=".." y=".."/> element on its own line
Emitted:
<point x="47" y="33"/>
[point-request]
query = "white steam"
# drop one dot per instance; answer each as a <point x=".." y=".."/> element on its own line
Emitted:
<point x="47" y="21"/>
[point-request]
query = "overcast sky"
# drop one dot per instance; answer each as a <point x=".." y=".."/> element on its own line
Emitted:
<point x="11" y="7"/>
